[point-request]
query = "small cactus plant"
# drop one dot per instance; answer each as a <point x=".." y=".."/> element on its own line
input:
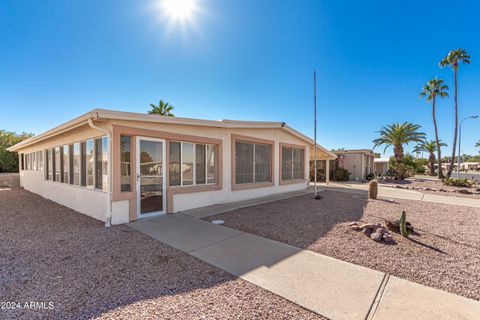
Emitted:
<point x="373" y="189"/>
<point x="403" y="224"/>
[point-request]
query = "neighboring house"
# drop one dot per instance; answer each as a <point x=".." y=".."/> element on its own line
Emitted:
<point x="119" y="166"/>
<point x="381" y="166"/>
<point x="468" y="166"/>
<point x="358" y="162"/>
<point x="325" y="163"/>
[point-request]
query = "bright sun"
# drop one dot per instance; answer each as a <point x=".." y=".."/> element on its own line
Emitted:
<point x="179" y="9"/>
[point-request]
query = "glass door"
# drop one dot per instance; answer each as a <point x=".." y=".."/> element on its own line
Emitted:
<point x="151" y="197"/>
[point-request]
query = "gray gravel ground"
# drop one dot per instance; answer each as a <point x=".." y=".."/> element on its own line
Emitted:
<point x="445" y="253"/>
<point x="51" y="253"/>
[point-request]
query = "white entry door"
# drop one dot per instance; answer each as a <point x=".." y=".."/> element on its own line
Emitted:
<point x="151" y="177"/>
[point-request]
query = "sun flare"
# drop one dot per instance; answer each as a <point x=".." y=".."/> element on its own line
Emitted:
<point x="179" y="9"/>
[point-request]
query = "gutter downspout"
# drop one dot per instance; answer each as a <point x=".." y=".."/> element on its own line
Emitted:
<point x="108" y="220"/>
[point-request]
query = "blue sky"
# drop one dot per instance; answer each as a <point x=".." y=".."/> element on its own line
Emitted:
<point x="240" y="59"/>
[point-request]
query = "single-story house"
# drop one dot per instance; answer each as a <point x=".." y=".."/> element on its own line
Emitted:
<point x="119" y="166"/>
<point x="381" y="165"/>
<point x="358" y="162"/>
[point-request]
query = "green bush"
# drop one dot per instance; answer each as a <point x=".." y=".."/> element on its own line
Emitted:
<point x="464" y="183"/>
<point x="420" y="170"/>
<point x="400" y="171"/>
<point x="341" y="175"/>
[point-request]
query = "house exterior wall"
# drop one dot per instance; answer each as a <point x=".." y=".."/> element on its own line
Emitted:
<point x="381" y="168"/>
<point x="359" y="164"/>
<point x="88" y="201"/>
<point x="185" y="198"/>
<point x="123" y="205"/>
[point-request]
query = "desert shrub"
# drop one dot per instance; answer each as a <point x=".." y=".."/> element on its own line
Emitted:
<point x="420" y="170"/>
<point x="464" y="183"/>
<point x="400" y="171"/>
<point x="341" y="175"/>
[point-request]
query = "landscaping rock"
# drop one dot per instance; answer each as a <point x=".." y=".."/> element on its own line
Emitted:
<point x="464" y="191"/>
<point x="376" y="236"/>
<point x="355" y="227"/>
<point x="387" y="237"/>
<point x="370" y="226"/>
<point x="381" y="230"/>
<point x="367" y="232"/>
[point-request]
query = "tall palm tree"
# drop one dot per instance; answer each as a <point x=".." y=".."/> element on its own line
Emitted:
<point x="453" y="59"/>
<point x="163" y="109"/>
<point x="477" y="145"/>
<point x="433" y="89"/>
<point x="430" y="147"/>
<point x="397" y="135"/>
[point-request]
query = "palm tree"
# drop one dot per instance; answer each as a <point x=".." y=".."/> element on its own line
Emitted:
<point x="430" y="147"/>
<point x="477" y="145"/>
<point x="397" y="135"/>
<point x="163" y="109"/>
<point x="453" y="59"/>
<point x="433" y="89"/>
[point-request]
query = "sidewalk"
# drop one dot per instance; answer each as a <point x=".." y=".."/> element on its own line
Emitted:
<point x="394" y="193"/>
<point x="324" y="285"/>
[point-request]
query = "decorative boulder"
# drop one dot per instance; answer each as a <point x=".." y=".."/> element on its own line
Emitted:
<point x="376" y="236"/>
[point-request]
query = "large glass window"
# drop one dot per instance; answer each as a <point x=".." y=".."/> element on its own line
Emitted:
<point x="292" y="163"/>
<point x="83" y="164"/>
<point x="211" y="159"/>
<point x="57" y="164"/>
<point x="263" y="163"/>
<point x="187" y="164"/>
<point x="125" y="163"/>
<point x="39" y="158"/>
<point x="89" y="166"/>
<point x="174" y="174"/>
<point x="66" y="164"/>
<point x="76" y="164"/>
<point x="101" y="160"/>
<point x="253" y="162"/>
<point x="192" y="164"/>
<point x="200" y="164"/>
<point x="49" y="164"/>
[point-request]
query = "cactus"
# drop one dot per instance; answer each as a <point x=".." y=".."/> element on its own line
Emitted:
<point x="403" y="224"/>
<point x="373" y="189"/>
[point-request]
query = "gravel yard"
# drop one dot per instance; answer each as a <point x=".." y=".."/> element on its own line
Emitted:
<point x="51" y="253"/>
<point x="444" y="253"/>
<point x="433" y="184"/>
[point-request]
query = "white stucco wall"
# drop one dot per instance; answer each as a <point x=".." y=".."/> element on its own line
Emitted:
<point x="94" y="202"/>
<point x="87" y="201"/>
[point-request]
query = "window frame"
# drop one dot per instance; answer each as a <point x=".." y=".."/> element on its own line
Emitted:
<point x="293" y="147"/>
<point x="251" y="185"/>
<point x="194" y="180"/>
<point x="131" y="161"/>
<point x="49" y="164"/>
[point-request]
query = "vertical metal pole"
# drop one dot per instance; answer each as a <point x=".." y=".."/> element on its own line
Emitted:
<point x="315" y="128"/>
<point x="459" y="143"/>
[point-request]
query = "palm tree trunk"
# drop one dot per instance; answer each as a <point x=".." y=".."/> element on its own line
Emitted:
<point x="452" y="161"/>
<point x="398" y="153"/>
<point x="431" y="162"/>
<point x="439" y="151"/>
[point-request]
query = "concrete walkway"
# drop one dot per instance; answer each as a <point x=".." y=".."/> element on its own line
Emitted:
<point x="324" y="285"/>
<point x="394" y="193"/>
<point x="230" y="206"/>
